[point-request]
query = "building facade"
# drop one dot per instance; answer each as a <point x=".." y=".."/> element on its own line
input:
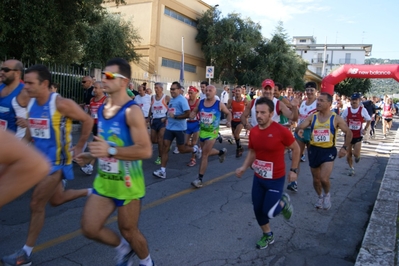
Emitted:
<point x="328" y="57"/>
<point x="161" y="24"/>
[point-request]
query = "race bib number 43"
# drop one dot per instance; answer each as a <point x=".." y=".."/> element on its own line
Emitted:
<point x="321" y="135"/>
<point x="263" y="168"/>
<point x="39" y="128"/>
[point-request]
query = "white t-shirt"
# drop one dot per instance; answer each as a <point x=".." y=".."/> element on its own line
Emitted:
<point x="224" y="97"/>
<point x="144" y="102"/>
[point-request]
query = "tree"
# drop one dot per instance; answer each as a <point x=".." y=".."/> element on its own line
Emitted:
<point x="228" y="43"/>
<point x="41" y="30"/>
<point x="350" y="85"/>
<point x="281" y="32"/>
<point x="112" y="37"/>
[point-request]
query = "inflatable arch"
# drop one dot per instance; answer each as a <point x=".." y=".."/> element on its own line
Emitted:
<point x="358" y="71"/>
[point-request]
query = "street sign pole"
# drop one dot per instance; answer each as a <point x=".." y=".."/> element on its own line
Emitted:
<point x="209" y="72"/>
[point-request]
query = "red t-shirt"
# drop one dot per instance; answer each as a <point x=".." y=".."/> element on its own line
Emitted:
<point x="269" y="146"/>
<point x="94" y="105"/>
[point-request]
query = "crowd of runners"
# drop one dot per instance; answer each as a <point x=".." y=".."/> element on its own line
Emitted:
<point x="277" y="121"/>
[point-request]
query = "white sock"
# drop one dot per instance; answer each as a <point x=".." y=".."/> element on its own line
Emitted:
<point x="123" y="247"/>
<point x="89" y="191"/>
<point x="28" y="250"/>
<point x="195" y="149"/>
<point x="163" y="169"/>
<point x="147" y="261"/>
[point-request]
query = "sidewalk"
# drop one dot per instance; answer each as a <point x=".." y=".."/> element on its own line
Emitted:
<point x="381" y="237"/>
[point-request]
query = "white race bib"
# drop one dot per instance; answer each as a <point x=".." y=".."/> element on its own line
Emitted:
<point x="206" y="118"/>
<point x="172" y="111"/>
<point x="321" y="135"/>
<point x="263" y="168"/>
<point x="237" y="115"/>
<point x="39" y="128"/>
<point x="94" y="115"/>
<point x="3" y="124"/>
<point x="109" y="165"/>
<point x="355" y="125"/>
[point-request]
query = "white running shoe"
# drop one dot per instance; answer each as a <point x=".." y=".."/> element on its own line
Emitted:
<point x="176" y="151"/>
<point x="198" y="152"/>
<point x="197" y="183"/>
<point x="159" y="173"/>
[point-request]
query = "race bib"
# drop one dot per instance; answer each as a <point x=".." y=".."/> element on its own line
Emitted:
<point x="39" y="128"/>
<point x="263" y="168"/>
<point x="3" y="124"/>
<point x="355" y="125"/>
<point x="109" y="165"/>
<point x="321" y="135"/>
<point x="172" y="111"/>
<point x="94" y="115"/>
<point x="237" y="115"/>
<point x="157" y="109"/>
<point x="206" y="118"/>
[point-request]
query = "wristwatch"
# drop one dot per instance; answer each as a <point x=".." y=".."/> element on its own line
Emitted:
<point x="112" y="151"/>
<point x="295" y="170"/>
<point x="343" y="147"/>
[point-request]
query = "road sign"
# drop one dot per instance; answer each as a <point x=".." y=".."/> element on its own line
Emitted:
<point x="210" y="70"/>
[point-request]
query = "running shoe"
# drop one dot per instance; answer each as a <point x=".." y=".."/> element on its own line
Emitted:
<point x="319" y="202"/>
<point x="223" y="156"/>
<point x="19" y="258"/>
<point x="303" y="158"/>
<point x="176" y="151"/>
<point x="351" y="171"/>
<point x="231" y="141"/>
<point x="159" y="173"/>
<point x="198" y="152"/>
<point x="197" y="183"/>
<point x="153" y="264"/>
<point x="192" y="162"/>
<point x="220" y="138"/>
<point x="265" y="241"/>
<point x="239" y="152"/>
<point x="357" y="159"/>
<point x="293" y="186"/>
<point x="123" y="259"/>
<point x="327" y="202"/>
<point x="287" y="209"/>
<point x="158" y="160"/>
<point x="87" y="169"/>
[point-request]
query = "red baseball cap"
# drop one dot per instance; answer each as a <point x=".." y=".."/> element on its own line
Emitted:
<point x="268" y="82"/>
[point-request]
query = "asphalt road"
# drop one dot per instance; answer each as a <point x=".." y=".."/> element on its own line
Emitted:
<point x="215" y="225"/>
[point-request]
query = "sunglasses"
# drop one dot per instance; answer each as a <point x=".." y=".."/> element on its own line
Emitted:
<point x="84" y="81"/>
<point x="6" y="69"/>
<point x="110" y="75"/>
<point x="172" y="89"/>
<point x="310" y="90"/>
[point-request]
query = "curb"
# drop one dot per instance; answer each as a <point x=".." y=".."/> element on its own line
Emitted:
<point x="379" y="241"/>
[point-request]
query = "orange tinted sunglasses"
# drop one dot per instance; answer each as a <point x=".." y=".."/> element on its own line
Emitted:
<point x="110" y="75"/>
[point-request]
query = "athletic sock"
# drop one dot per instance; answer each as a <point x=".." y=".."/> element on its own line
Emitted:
<point x="200" y="177"/>
<point x="147" y="261"/>
<point x="28" y="250"/>
<point x="238" y="143"/>
<point x="221" y="152"/>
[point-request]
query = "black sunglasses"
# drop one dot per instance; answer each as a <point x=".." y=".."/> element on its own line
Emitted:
<point x="6" y="69"/>
<point x="83" y="81"/>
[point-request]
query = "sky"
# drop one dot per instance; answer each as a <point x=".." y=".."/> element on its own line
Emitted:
<point x="373" y="22"/>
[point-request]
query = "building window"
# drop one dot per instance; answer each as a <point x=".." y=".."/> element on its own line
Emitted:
<point x="176" y="65"/>
<point x="180" y="17"/>
<point x="302" y="40"/>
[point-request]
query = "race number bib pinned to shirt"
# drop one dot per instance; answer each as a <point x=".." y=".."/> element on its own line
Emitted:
<point x="3" y="124"/>
<point x="39" y="128"/>
<point x="172" y="111"/>
<point x="321" y="135"/>
<point x="206" y="118"/>
<point x="237" y="115"/>
<point x="157" y="109"/>
<point x="355" y="125"/>
<point x="109" y="165"/>
<point x="263" y="168"/>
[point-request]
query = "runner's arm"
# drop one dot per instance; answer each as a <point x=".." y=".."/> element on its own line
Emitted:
<point x="70" y="109"/>
<point x="224" y="109"/>
<point x="245" y="114"/>
<point x="251" y="156"/>
<point x="22" y="167"/>
<point x="290" y="114"/>
<point x="305" y="123"/>
<point x="344" y="127"/>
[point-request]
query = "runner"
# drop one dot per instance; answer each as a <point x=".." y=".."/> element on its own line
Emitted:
<point x="237" y="107"/>
<point x="322" y="152"/>
<point x="193" y="126"/>
<point x="388" y="110"/>
<point x="354" y="117"/>
<point x="95" y="103"/>
<point x="209" y="115"/>
<point x="267" y="143"/>
<point x="13" y="99"/>
<point x="307" y="108"/>
<point x="121" y="144"/>
<point x="144" y="101"/>
<point x="159" y="108"/>
<point x="178" y="111"/>
<point x="50" y="126"/>
<point x="21" y="167"/>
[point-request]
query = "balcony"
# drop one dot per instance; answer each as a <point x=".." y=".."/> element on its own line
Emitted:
<point x="318" y="61"/>
<point x="343" y="61"/>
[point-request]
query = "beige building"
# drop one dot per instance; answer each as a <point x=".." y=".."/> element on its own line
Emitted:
<point x="161" y="24"/>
